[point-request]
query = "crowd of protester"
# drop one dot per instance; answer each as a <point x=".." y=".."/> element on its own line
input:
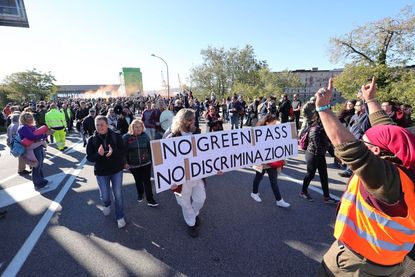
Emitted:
<point x="117" y="133"/>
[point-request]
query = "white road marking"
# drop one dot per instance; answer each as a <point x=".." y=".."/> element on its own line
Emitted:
<point x="26" y="191"/>
<point x="291" y="179"/>
<point x="300" y="182"/>
<point x="49" y="159"/>
<point x="21" y="256"/>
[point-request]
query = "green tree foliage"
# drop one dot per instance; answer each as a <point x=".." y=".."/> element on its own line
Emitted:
<point x="238" y="71"/>
<point x="268" y="84"/>
<point x="389" y="41"/>
<point x="393" y="83"/>
<point x="30" y="84"/>
<point x="221" y="69"/>
<point x="404" y="89"/>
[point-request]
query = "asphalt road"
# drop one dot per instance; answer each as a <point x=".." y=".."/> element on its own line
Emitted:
<point x="62" y="232"/>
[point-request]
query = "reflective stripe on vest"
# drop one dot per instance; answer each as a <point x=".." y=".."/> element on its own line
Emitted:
<point x="377" y="217"/>
<point x="55" y="118"/>
<point x="379" y="243"/>
<point x="373" y="234"/>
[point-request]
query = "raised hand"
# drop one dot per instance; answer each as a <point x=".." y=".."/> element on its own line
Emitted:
<point x="324" y="95"/>
<point x="369" y="90"/>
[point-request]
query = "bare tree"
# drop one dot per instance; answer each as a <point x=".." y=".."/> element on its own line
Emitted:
<point x="386" y="41"/>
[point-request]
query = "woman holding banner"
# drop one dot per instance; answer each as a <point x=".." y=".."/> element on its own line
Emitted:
<point x="138" y="154"/>
<point x="271" y="169"/>
<point x="190" y="195"/>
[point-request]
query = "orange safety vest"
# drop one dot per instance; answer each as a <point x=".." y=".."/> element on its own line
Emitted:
<point x="376" y="236"/>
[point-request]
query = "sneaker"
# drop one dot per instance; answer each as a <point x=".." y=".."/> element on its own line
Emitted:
<point x="256" y="197"/>
<point x="121" y="223"/>
<point x="329" y="200"/>
<point x="152" y="203"/>
<point x="281" y="203"/>
<point x="305" y="196"/>
<point x="193" y="231"/>
<point x="345" y="174"/>
<point x="197" y="223"/>
<point x="140" y="198"/>
<point x="106" y="210"/>
<point x="24" y="172"/>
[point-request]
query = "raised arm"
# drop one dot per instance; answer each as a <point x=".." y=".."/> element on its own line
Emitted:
<point x="335" y="130"/>
<point x="376" y="115"/>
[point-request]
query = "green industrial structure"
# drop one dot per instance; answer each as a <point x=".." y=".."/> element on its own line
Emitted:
<point x="132" y="81"/>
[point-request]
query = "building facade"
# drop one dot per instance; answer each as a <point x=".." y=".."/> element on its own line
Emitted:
<point x="89" y="91"/>
<point x="311" y="81"/>
<point x="131" y="84"/>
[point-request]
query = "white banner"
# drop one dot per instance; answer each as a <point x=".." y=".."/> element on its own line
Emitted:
<point x="181" y="159"/>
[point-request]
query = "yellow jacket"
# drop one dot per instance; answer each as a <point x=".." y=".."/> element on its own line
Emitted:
<point x="55" y="119"/>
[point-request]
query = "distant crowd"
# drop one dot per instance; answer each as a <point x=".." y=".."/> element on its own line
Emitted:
<point x="373" y="143"/>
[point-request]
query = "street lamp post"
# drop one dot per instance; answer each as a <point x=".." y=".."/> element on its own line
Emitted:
<point x="167" y="66"/>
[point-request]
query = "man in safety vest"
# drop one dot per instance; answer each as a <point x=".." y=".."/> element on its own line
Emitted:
<point x="375" y="224"/>
<point x="55" y="120"/>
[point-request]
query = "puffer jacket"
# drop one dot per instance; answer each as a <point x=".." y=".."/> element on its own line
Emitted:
<point x="318" y="142"/>
<point x="138" y="151"/>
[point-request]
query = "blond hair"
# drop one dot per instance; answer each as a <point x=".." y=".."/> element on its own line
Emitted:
<point x="179" y="121"/>
<point x="24" y="116"/>
<point x="134" y="122"/>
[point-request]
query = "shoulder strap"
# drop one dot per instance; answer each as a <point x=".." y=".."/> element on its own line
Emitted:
<point x="407" y="172"/>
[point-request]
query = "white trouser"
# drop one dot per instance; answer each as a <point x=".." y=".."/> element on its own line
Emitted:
<point x="191" y="200"/>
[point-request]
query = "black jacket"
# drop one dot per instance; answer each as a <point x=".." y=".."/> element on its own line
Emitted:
<point x="81" y="114"/>
<point x="88" y="125"/>
<point x="105" y="166"/>
<point x="318" y="142"/>
<point x="138" y="150"/>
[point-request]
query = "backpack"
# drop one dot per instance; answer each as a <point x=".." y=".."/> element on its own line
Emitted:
<point x="303" y="141"/>
<point x="17" y="149"/>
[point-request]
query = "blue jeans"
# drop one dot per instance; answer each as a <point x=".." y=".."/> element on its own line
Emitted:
<point x="273" y="179"/>
<point x="234" y="121"/>
<point x="104" y="189"/>
<point x="38" y="178"/>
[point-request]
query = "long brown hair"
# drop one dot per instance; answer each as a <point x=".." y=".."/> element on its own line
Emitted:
<point x="267" y="119"/>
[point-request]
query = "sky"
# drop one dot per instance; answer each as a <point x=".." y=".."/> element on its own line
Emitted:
<point x="88" y="42"/>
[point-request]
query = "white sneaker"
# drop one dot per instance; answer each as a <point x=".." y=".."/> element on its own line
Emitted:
<point x="121" y="223"/>
<point x="256" y="197"/>
<point x="106" y="210"/>
<point x="281" y="203"/>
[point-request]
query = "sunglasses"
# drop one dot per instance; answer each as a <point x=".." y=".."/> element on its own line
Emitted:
<point x="366" y="142"/>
